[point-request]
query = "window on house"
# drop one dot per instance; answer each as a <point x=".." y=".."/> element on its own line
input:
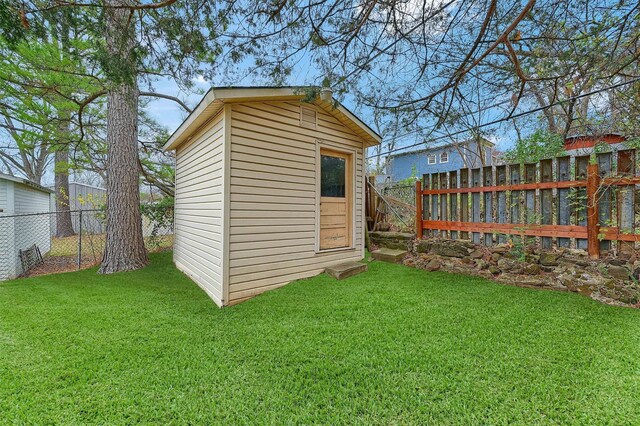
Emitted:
<point x="431" y="159"/>
<point x="444" y="157"/>
<point x="332" y="176"/>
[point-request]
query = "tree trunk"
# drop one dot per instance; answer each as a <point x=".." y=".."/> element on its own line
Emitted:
<point x="64" y="225"/>
<point x="124" y="249"/>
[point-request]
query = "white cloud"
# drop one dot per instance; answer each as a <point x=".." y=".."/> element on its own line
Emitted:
<point x="200" y="80"/>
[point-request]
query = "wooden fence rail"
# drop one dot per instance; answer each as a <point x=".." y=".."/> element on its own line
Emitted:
<point x="588" y="208"/>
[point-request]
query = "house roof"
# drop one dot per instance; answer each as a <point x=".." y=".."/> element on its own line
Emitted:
<point x="100" y="188"/>
<point x="216" y="97"/>
<point x="25" y="182"/>
<point x="580" y="141"/>
<point x="440" y="147"/>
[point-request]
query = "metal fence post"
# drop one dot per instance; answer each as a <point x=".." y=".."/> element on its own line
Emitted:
<point x="80" y="240"/>
<point x="418" y="209"/>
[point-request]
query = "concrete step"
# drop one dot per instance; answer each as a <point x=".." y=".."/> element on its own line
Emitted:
<point x="389" y="255"/>
<point x="346" y="270"/>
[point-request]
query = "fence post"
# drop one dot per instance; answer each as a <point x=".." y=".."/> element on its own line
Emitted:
<point x="418" y="209"/>
<point x="80" y="240"/>
<point x="593" y="181"/>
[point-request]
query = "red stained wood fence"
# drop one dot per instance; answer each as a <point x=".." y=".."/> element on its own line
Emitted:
<point x="566" y="201"/>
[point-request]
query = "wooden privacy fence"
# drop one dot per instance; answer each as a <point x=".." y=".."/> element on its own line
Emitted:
<point x="583" y="202"/>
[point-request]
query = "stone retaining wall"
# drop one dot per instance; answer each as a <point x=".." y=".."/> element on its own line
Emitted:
<point x="392" y="240"/>
<point x="612" y="281"/>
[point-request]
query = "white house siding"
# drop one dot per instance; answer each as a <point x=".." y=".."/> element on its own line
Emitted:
<point x="21" y="232"/>
<point x="32" y="229"/>
<point x="7" y="265"/>
<point x="199" y="208"/>
<point x="3" y="196"/>
<point x="272" y="215"/>
<point x="31" y="200"/>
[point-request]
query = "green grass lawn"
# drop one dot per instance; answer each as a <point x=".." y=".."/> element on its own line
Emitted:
<point x="392" y="346"/>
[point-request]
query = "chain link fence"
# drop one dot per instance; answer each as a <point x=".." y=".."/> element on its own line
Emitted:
<point x="42" y="243"/>
<point x="398" y="207"/>
<point x="402" y="193"/>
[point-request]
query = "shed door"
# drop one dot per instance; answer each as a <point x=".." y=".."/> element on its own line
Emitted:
<point x="336" y="199"/>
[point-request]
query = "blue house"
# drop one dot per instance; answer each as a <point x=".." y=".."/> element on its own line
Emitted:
<point x="443" y="158"/>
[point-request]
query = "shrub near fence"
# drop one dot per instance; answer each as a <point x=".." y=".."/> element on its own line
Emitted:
<point x="81" y="250"/>
<point x="567" y="201"/>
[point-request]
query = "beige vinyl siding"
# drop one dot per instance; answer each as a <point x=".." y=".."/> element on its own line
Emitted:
<point x="198" y="246"/>
<point x="273" y="200"/>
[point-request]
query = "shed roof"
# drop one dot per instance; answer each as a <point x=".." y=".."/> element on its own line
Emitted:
<point x="25" y="182"/>
<point x="216" y="97"/>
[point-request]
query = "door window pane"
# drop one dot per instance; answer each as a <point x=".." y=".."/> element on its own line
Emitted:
<point x="332" y="176"/>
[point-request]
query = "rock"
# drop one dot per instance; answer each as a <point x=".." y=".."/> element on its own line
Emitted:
<point x="392" y="240"/>
<point x="449" y="249"/>
<point x="423" y="246"/>
<point x="476" y="254"/>
<point x="585" y="289"/>
<point x="532" y="269"/>
<point x="500" y="248"/>
<point x="626" y="297"/>
<point x="496" y="256"/>
<point x="466" y="243"/>
<point x="568" y="281"/>
<point x="494" y="270"/>
<point x="576" y="273"/>
<point x="508" y="265"/>
<point x="433" y="265"/>
<point x="549" y="259"/>
<point x="618" y="272"/>
<point x="624" y="256"/>
<point x="636" y="274"/>
<point x="482" y="264"/>
<point x="617" y="262"/>
<point x="576" y="252"/>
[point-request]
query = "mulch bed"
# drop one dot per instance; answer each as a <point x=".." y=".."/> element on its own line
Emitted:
<point x="53" y="265"/>
<point x="58" y="264"/>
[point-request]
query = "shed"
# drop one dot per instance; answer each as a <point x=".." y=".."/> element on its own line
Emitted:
<point x="24" y="221"/>
<point x="269" y="189"/>
<point x="82" y="196"/>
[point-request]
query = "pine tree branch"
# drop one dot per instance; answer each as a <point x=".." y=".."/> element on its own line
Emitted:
<point x="169" y="97"/>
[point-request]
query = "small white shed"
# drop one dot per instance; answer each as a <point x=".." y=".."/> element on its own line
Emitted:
<point x="20" y="226"/>
<point x="269" y="189"/>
